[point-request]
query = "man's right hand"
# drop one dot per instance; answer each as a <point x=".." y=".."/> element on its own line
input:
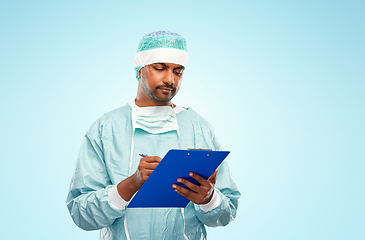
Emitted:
<point x="144" y="170"/>
<point x="129" y="186"/>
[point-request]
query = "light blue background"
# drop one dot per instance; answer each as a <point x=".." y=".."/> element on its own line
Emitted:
<point x="282" y="82"/>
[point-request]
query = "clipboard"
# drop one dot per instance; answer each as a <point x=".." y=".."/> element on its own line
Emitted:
<point x="157" y="192"/>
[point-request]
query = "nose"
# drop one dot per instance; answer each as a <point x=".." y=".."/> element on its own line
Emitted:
<point x="169" y="77"/>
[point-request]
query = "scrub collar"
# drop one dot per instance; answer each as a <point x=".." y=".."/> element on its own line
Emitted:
<point x="177" y="108"/>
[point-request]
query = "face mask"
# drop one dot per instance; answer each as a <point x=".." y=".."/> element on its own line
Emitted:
<point x="159" y="119"/>
<point x="154" y="120"/>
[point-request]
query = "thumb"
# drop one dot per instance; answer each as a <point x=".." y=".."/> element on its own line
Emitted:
<point x="213" y="176"/>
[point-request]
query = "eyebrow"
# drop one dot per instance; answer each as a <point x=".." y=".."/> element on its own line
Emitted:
<point x="163" y="64"/>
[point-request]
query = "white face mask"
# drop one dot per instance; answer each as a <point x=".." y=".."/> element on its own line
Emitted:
<point x="159" y="119"/>
<point x="155" y="120"/>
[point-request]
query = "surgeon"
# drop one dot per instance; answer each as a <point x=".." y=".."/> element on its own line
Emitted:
<point x="109" y="169"/>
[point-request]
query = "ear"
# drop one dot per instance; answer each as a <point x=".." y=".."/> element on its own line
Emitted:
<point x="139" y="73"/>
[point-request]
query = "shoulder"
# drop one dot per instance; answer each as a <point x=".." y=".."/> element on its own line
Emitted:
<point x="206" y="128"/>
<point x="117" y="114"/>
<point x="192" y="114"/>
<point x="120" y="116"/>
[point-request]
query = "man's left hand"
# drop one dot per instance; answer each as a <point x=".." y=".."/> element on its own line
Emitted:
<point x="197" y="194"/>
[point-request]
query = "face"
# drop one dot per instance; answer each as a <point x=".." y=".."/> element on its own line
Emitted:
<point x="160" y="82"/>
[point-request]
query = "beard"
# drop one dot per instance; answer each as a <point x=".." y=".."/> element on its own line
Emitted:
<point x="152" y="94"/>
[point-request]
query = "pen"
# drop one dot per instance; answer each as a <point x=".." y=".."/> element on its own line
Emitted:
<point x="143" y="155"/>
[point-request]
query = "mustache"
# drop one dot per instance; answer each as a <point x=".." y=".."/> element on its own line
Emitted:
<point x="167" y="86"/>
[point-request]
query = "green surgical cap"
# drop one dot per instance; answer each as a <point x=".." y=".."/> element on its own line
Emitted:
<point x="160" y="47"/>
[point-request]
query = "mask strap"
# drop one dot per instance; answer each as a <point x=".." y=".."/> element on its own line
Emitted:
<point x="178" y="136"/>
<point x="183" y="216"/>
<point x="126" y="227"/>
<point x="132" y="150"/>
<point x="132" y="143"/>
<point x="177" y="128"/>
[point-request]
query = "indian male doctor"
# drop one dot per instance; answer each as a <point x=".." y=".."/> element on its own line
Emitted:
<point x="109" y="169"/>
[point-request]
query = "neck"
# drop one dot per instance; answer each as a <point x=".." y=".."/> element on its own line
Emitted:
<point x="150" y="103"/>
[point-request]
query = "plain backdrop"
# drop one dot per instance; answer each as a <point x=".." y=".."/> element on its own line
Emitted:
<point x="282" y="82"/>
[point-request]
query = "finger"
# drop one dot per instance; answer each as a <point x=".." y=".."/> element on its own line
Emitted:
<point x="189" y="184"/>
<point x="151" y="159"/>
<point x="187" y="196"/>
<point x="145" y="174"/>
<point x="147" y="166"/>
<point x="199" y="179"/>
<point x="198" y="198"/>
<point x="214" y="174"/>
<point x="192" y="196"/>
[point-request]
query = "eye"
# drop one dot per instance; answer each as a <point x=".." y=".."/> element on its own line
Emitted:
<point x="159" y="69"/>
<point x="179" y="72"/>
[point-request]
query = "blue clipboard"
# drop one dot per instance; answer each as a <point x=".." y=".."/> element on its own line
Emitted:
<point x="157" y="191"/>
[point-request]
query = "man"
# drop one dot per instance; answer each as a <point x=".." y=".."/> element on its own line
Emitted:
<point x="109" y="170"/>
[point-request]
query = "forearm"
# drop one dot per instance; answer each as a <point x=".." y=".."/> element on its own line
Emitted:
<point x="92" y="210"/>
<point x="127" y="188"/>
<point x="221" y="215"/>
<point x="229" y="195"/>
<point x="97" y="209"/>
